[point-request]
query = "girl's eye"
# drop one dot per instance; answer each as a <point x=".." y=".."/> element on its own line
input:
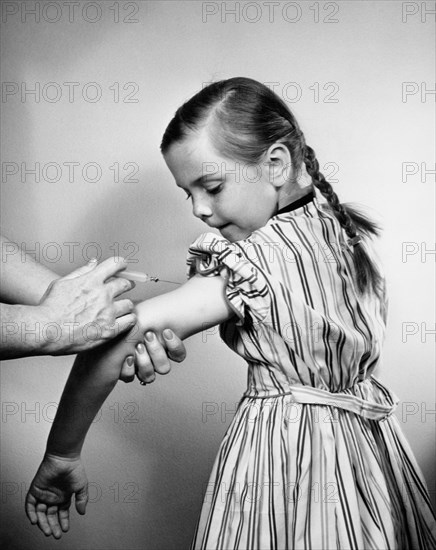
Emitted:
<point x="215" y="190"/>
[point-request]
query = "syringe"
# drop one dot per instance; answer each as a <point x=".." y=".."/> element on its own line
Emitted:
<point x="141" y="277"/>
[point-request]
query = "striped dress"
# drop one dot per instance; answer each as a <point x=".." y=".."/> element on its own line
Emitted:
<point x="313" y="458"/>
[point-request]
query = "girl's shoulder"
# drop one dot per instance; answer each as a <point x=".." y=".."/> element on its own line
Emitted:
<point x="299" y="224"/>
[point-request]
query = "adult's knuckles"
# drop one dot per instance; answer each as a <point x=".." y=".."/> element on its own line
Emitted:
<point x="122" y="285"/>
<point x="108" y="333"/>
<point x="107" y="318"/>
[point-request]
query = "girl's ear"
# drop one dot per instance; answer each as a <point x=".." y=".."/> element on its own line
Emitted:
<point x="278" y="164"/>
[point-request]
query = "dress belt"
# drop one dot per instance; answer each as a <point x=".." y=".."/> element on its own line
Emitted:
<point x="315" y="396"/>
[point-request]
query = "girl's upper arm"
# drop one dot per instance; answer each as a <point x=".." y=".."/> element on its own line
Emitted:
<point x="195" y="306"/>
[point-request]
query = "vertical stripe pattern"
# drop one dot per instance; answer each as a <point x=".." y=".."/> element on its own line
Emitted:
<point x="314" y="458"/>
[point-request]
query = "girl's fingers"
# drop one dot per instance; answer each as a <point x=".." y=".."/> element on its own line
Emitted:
<point x="127" y="373"/>
<point x="52" y="519"/>
<point x="81" y="500"/>
<point x="30" y="509"/>
<point x="41" y="512"/>
<point x="64" y="519"/>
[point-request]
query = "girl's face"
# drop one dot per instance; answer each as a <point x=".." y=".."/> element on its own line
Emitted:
<point x="231" y="196"/>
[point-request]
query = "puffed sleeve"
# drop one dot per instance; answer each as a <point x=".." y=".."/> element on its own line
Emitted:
<point x="247" y="289"/>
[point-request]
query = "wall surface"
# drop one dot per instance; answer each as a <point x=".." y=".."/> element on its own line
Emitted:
<point x="107" y="77"/>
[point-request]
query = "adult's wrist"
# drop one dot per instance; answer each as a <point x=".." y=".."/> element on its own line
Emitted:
<point x="52" y="332"/>
<point x="25" y="331"/>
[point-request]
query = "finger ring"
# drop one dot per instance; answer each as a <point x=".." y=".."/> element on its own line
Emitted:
<point x="143" y="383"/>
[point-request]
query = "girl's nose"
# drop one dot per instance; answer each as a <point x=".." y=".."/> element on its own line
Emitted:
<point x="201" y="209"/>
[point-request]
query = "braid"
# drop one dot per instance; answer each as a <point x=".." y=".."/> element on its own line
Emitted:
<point x="326" y="189"/>
<point x="354" y="224"/>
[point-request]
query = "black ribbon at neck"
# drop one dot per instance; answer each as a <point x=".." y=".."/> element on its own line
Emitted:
<point x="296" y="204"/>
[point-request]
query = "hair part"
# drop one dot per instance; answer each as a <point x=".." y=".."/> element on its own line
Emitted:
<point x="243" y="119"/>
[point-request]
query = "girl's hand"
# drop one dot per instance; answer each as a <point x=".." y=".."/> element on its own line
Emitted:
<point x="49" y="497"/>
<point x="153" y="356"/>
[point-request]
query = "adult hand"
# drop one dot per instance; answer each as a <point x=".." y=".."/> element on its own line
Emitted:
<point x="153" y="356"/>
<point x="49" y="497"/>
<point x="79" y="310"/>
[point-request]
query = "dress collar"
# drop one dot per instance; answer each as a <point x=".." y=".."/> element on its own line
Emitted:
<point x="296" y="204"/>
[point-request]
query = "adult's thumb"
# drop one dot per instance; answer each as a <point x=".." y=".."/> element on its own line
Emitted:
<point x="82" y="500"/>
<point x="82" y="270"/>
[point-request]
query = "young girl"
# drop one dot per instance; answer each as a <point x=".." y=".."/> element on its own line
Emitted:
<point x="313" y="458"/>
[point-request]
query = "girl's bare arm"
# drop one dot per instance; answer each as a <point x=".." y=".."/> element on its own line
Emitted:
<point x="197" y="305"/>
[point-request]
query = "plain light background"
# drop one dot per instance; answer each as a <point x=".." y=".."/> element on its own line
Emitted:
<point x="149" y="453"/>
